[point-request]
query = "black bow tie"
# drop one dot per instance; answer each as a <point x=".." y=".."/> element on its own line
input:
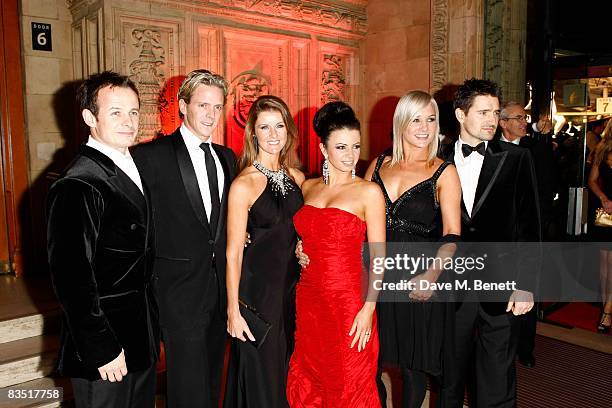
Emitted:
<point x="467" y="149"/>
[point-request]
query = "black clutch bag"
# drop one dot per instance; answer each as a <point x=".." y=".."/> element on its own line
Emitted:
<point x="257" y="324"/>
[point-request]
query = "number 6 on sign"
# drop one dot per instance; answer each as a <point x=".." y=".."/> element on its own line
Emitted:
<point x="41" y="36"/>
<point x="41" y="39"/>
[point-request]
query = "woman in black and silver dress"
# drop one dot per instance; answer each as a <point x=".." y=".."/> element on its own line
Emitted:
<point x="262" y="201"/>
<point x="423" y="197"/>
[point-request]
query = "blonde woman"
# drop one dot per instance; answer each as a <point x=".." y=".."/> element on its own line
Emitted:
<point x="261" y="278"/>
<point x="600" y="183"/>
<point x="422" y="197"/>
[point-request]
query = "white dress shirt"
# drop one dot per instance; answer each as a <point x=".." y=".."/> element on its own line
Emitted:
<point x="199" y="164"/>
<point x="469" y="172"/>
<point x="123" y="161"/>
<point x="515" y="141"/>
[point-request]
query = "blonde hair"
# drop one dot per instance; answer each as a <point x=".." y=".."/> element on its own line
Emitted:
<point x="288" y="155"/>
<point x="607" y="130"/>
<point x="603" y="149"/>
<point x="406" y="110"/>
<point x="200" y="77"/>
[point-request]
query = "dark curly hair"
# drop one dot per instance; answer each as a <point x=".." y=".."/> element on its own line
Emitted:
<point x="470" y="89"/>
<point x="334" y="116"/>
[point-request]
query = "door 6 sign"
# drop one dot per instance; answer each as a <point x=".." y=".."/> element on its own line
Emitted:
<point x="41" y="36"/>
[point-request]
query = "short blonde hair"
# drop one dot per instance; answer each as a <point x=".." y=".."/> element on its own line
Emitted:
<point x="201" y="77"/>
<point x="406" y="110"/>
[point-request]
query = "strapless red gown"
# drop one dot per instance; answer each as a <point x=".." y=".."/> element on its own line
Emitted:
<point x="324" y="371"/>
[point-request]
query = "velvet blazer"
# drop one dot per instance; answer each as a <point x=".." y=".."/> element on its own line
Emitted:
<point x="189" y="257"/>
<point x="506" y="210"/>
<point x="100" y="251"/>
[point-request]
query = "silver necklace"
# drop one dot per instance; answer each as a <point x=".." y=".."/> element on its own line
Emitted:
<point x="279" y="180"/>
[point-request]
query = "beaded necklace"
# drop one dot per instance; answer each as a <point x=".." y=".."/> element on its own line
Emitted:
<point x="279" y="180"/>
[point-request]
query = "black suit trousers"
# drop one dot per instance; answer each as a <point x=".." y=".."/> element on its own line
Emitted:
<point x="135" y="390"/>
<point x="526" y="341"/>
<point x="486" y="346"/>
<point x="194" y="357"/>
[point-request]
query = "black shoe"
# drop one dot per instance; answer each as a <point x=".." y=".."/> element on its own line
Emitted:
<point x="601" y="327"/>
<point x="527" y="360"/>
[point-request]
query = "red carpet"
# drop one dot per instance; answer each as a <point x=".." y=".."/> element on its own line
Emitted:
<point x="565" y="375"/>
<point x="583" y="315"/>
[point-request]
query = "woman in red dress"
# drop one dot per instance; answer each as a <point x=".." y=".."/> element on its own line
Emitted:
<point x="336" y="343"/>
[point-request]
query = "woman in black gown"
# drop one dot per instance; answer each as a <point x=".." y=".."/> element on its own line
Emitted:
<point x="423" y="197"/>
<point x="600" y="183"/>
<point x="262" y="201"/>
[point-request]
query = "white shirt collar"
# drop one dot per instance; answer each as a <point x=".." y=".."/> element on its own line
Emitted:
<point x="515" y="141"/>
<point x="122" y="161"/>
<point x="113" y="153"/>
<point x="191" y="140"/>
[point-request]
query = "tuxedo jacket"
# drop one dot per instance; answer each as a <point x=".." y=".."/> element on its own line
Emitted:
<point x="506" y="210"/>
<point x="188" y="253"/>
<point x="545" y="172"/>
<point x="546" y="179"/>
<point x="100" y="248"/>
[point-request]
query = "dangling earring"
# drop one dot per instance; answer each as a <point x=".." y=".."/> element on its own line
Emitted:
<point x="353" y="173"/>
<point x="325" y="171"/>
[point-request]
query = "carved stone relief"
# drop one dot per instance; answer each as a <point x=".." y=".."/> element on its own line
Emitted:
<point x="149" y="55"/>
<point x="333" y="14"/>
<point x="255" y="64"/>
<point x="245" y="88"/>
<point x="439" y="44"/>
<point x="304" y="51"/>
<point x="332" y="79"/>
<point x="147" y="73"/>
<point x="494" y="37"/>
<point x="505" y="35"/>
<point x="337" y="73"/>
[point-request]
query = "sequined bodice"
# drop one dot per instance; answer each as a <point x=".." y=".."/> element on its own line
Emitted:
<point x="415" y="215"/>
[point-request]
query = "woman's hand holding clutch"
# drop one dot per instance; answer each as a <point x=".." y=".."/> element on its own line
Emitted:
<point x="607" y="205"/>
<point x="237" y="326"/>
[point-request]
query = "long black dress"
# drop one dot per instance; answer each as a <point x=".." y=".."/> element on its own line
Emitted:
<point x="603" y="234"/>
<point x="257" y="377"/>
<point x="415" y="335"/>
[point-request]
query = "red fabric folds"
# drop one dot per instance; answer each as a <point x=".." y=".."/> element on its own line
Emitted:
<point x="324" y="371"/>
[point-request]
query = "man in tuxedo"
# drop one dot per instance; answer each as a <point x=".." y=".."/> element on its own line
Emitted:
<point x="499" y="205"/>
<point x="100" y="243"/>
<point x="514" y="129"/>
<point x="189" y="177"/>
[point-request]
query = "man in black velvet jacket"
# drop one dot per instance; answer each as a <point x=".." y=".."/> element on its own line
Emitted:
<point x="189" y="178"/>
<point x="500" y="208"/>
<point x="100" y="243"/>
